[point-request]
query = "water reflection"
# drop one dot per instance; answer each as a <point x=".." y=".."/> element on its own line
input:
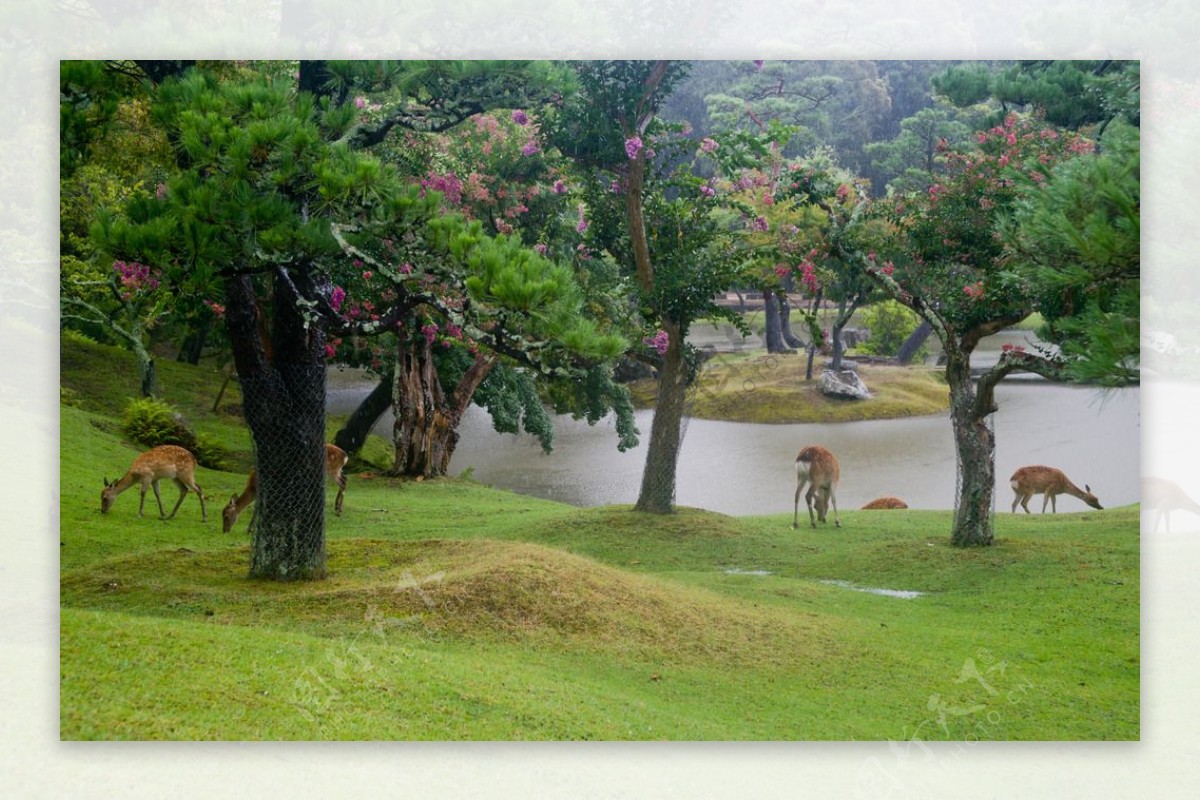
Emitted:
<point x="746" y="468"/>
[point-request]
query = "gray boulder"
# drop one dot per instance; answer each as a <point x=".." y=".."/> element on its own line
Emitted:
<point x="844" y="384"/>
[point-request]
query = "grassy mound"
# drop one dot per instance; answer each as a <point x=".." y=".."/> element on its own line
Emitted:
<point x="479" y="590"/>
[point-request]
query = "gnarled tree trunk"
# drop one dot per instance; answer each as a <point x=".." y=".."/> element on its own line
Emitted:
<point x="353" y="434"/>
<point x="426" y="428"/>
<point x="975" y="447"/>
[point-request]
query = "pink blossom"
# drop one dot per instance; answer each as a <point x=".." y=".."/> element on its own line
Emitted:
<point x="520" y="117"/>
<point x="336" y="297"/>
<point x="888" y="268"/>
<point x="660" y="341"/>
<point x="759" y="223"/>
<point x="615" y="186"/>
<point x="540" y="247"/>
<point x="708" y="145"/>
<point x="707" y="191"/>
<point x="560" y="187"/>
<point x="360" y="102"/>
<point x="782" y="270"/>
<point x="582" y="225"/>
<point x="633" y="146"/>
<point x="974" y="291"/>
<point x="329" y="351"/>
<point x="406" y="268"/>
<point x="429" y="331"/>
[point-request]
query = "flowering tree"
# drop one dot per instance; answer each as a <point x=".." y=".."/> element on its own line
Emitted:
<point x="667" y="242"/>
<point x="129" y="303"/>
<point x="955" y="269"/>
<point x="492" y="172"/>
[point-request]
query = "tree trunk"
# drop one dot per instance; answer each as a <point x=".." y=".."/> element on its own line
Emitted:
<point x="772" y="335"/>
<point x="975" y="447"/>
<point x="193" y="344"/>
<point x="845" y="312"/>
<point x="352" y="435"/>
<point x="914" y="342"/>
<point x="785" y="317"/>
<point x="426" y="428"/>
<point x="657" y="493"/>
<point x="147" y="371"/>
<point x="283" y="392"/>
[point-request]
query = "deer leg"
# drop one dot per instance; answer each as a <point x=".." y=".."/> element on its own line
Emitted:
<point x="796" y="504"/>
<point x="337" y="502"/>
<point x="183" y="490"/>
<point x="157" y="497"/>
<point x="808" y="499"/>
<point x="203" y="512"/>
<point x="833" y="500"/>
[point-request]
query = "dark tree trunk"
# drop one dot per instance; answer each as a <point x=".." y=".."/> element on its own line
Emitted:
<point x="845" y="312"/>
<point x="657" y="493"/>
<point x="283" y="394"/>
<point x="975" y="447"/>
<point x="785" y="319"/>
<point x="352" y="435"/>
<point x="914" y="342"/>
<point x="426" y="428"/>
<point x="193" y="344"/>
<point x="772" y="335"/>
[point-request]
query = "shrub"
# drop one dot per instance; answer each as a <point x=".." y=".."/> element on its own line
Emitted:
<point x="152" y="422"/>
<point x="890" y="323"/>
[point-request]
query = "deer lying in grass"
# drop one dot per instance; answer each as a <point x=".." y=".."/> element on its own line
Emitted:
<point x="1050" y="482"/>
<point x="1164" y="497"/>
<point x="335" y="460"/>
<point x="165" y="461"/>
<point x="886" y="502"/>
<point x="817" y="467"/>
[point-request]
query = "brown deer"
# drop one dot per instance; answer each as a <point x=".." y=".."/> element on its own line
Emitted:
<point x="1164" y="497"/>
<point x="165" y="461"/>
<point x="817" y="467"/>
<point x="1050" y="482"/>
<point x="335" y="460"/>
<point x="886" y="502"/>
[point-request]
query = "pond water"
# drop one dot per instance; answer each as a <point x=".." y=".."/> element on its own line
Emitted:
<point x="747" y="468"/>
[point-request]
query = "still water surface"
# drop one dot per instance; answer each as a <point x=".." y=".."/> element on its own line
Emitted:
<point x="747" y="468"/>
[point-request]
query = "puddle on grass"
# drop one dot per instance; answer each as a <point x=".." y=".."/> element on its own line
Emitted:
<point x="874" y="590"/>
<point x="737" y="571"/>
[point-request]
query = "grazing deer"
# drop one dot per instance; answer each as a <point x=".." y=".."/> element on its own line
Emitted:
<point x="165" y="461"/>
<point x="886" y="502"/>
<point x="1050" y="482"/>
<point x="1164" y="497"/>
<point x="335" y="460"/>
<point x="817" y="467"/>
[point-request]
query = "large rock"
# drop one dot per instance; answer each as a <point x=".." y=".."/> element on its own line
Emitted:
<point x="844" y="384"/>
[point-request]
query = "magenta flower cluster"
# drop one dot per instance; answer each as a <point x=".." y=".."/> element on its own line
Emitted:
<point x="582" y="225"/>
<point x="520" y="117"/>
<point x="336" y="297"/>
<point x="759" y="223"/>
<point x="659" y="341"/>
<point x="134" y="277"/>
<point x="429" y="331"/>
<point x="708" y="145"/>
<point x="633" y="146"/>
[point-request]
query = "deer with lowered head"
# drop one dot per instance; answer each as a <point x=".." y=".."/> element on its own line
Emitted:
<point x="165" y="461"/>
<point x="1049" y="482"/>
<point x="818" y="468"/>
<point x="335" y="460"/>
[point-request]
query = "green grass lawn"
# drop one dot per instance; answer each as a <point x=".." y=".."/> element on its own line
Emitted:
<point x="456" y="611"/>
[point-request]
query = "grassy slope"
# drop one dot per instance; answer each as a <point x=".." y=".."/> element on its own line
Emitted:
<point x="455" y="611"/>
